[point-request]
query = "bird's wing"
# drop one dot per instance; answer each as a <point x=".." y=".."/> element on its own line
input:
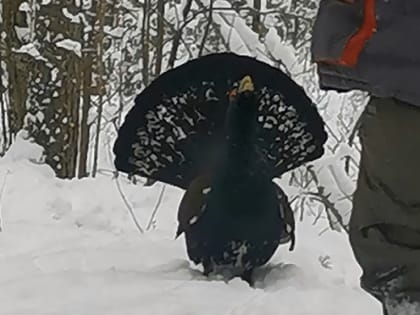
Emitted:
<point x="287" y="216"/>
<point x="174" y="132"/>
<point x="193" y="203"/>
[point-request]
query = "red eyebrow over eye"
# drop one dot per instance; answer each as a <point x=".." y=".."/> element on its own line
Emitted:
<point x="232" y="93"/>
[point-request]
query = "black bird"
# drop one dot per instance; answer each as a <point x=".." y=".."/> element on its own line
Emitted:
<point x="222" y="127"/>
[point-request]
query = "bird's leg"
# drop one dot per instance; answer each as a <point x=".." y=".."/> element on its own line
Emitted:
<point x="208" y="267"/>
<point x="247" y="276"/>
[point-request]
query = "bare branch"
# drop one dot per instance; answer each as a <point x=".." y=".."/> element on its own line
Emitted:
<point x="155" y="210"/>
<point x="178" y="36"/>
<point x="207" y="30"/>
<point x="127" y="204"/>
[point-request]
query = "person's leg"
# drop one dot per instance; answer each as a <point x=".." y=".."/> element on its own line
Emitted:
<point x="385" y="223"/>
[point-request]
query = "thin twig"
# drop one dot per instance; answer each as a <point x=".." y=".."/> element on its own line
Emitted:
<point x="323" y="231"/>
<point x="352" y="136"/>
<point x="207" y="29"/>
<point x="338" y="183"/>
<point x="178" y="36"/>
<point x="330" y="209"/>
<point x="229" y="37"/>
<point x="101" y="84"/>
<point x="302" y="209"/>
<point x="318" y="216"/>
<point x="155" y="210"/>
<point x="130" y="209"/>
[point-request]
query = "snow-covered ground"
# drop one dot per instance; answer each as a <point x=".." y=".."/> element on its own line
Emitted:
<point x="70" y="247"/>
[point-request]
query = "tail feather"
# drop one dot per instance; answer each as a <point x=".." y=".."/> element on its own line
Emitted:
<point x="175" y="130"/>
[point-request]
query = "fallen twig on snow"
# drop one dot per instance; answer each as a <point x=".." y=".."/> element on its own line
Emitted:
<point x="129" y="207"/>
<point x="155" y="210"/>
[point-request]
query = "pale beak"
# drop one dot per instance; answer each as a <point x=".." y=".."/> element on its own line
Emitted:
<point x="245" y="85"/>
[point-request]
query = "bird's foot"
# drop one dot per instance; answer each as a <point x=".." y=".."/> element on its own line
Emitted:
<point x="207" y="268"/>
<point x="247" y="276"/>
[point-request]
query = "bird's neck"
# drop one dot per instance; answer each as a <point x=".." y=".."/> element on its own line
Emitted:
<point x="242" y="151"/>
<point x="240" y="128"/>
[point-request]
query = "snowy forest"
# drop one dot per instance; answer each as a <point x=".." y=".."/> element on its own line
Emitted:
<point x="71" y="69"/>
<point x="69" y="73"/>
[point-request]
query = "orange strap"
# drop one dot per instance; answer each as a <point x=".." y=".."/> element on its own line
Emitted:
<point x="355" y="44"/>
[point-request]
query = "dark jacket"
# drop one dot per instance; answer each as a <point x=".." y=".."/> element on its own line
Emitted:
<point x="371" y="45"/>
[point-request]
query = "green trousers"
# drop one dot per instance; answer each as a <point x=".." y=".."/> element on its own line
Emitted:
<point x="385" y="222"/>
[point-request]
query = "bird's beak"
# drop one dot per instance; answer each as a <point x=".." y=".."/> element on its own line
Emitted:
<point x="246" y="85"/>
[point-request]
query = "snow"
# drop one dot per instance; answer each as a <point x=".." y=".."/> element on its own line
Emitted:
<point x="71" y="45"/>
<point x="241" y="39"/>
<point x="31" y="50"/>
<point x="24" y="7"/>
<point x="278" y="50"/>
<point x="70" y="247"/>
<point x="116" y="32"/>
<point x="74" y="18"/>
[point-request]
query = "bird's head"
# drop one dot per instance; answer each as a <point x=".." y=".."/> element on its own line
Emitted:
<point x="244" y="94"/>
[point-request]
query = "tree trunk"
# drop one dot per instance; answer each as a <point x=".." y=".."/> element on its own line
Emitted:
<point x="145" y="40"/>
<point x="72" y="105"/>
<point x="3" y="114"/>
<point x="84" y="127"/>
<point x="3" y="89"/>
<point x="16" y="68"/>
<point x="207" y="29"/>
<point x="178" y="35"/>
<point x="101" y="9"/>
<point x="70" y="91"/>
<point x="256" y="18"/>
<point x="160" y="36"/>
<point x="54" y="98"/>
<point x="88" y="60"/>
